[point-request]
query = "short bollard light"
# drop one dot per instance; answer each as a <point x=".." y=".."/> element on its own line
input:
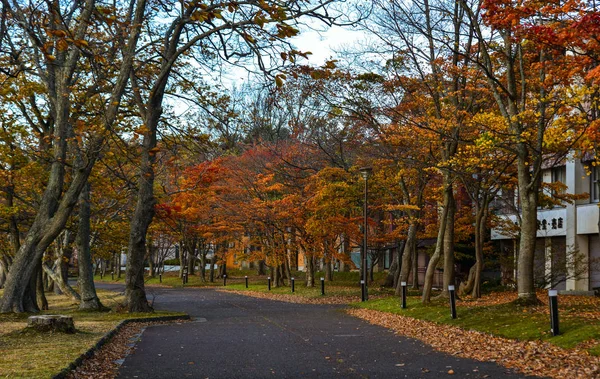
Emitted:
<point x="362" y="291"/>
<point x="112" y="275"/>
<point x="403" y="284"/>
<point x="553" y="301"/>
<point x="224" y="280"/>
<point x="452" y="301"/>
<point x="322" y="286"/>
<point x="160" y="278"/>
<point x="269" y="283"/>
<point x="246" y="277"/>
<point x="101" y="275"/>
<point x="293" y="285"/>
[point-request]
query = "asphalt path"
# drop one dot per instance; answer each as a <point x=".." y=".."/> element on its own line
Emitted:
<point x="233" y="336"/>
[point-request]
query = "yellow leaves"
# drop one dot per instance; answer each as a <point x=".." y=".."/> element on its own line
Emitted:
<point x="81" y="43"/>
<point x="62" y="45"/>
<point x="57" y="33"/>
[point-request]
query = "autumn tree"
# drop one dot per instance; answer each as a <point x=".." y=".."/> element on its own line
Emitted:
<point x="59" y="40"/>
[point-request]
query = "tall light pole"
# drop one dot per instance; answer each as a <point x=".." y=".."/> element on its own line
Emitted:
<point x="365" y="172"/>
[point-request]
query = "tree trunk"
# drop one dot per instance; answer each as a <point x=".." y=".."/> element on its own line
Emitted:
<point x="203" y="267"/>
<point x="449" y="272"/>
<point x="439" y="246"/>
<point x="310" y="271"/>
<point x="406" y="266"/>
<point x="393" y="272"/>
<point x="328" y="271"/>
<point x="211" y="276"/>
<point x="41" y="297"/>
<point x="415" y="263"/>
<point x="65" y="288"/>
<point x="57" y="202"/>
<point x="261" y="267"/>
<point x="525" y="263"/>
<point x="89" y="298"/>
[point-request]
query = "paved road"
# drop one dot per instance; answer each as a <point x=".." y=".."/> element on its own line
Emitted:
<point x="242" y="337"/>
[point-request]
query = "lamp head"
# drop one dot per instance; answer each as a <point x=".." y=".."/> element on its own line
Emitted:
<point x="365" y="172"/>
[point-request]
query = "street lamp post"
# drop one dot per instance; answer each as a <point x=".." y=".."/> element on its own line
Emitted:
<point x="365" y="172"/>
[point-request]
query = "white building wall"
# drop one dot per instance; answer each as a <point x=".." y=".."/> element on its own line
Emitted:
<point x="579" y="227"/>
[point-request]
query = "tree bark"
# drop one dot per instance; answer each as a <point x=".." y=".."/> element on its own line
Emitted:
<point x="449" y="271"/>
<point x="213" y="259"/>
<point x="439" y="247"/>
<point x="310" y="271"/>
<point x="407" y="256"/>
<point x="65" y="288"/>
<point x="41" y="296"/>
<point x="89" y="298"/>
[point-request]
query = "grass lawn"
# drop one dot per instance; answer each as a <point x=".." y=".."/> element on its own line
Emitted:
<point x="504" y="320"/>
<point x="345" y="284"/>
<point x="33" y="355"/>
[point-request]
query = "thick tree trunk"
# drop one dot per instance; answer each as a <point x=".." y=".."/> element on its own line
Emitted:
<point x="407" y="257"/>
<point x="89" y="298"/>
<point x="439" y="248"/>
<point x="525" y="263"/>
<point x="203" y="267"/>
<point x="473" y="284"/>
<point x="449" y="277"/>
<point x="135" y="293"/>
<point x="310" y="271"/>
<point x="211" y="276"/>
<point x="328" y="271"/>
<point x="393" y="272"/>
<point x="261" y="268"/>
<point x="415" y="263"/>
<point x="3" y="272"/>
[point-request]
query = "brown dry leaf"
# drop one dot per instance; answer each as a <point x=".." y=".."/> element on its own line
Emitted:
<point x="530" y="357"/>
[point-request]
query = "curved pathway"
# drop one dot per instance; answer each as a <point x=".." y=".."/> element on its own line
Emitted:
<point x="236" y="336"/>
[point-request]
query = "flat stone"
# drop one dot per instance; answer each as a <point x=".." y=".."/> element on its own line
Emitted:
<point x="51" y="323"/>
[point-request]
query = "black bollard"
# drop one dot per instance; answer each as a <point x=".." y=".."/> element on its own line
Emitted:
<point x="452" y="301"/>
<point x="362" y="291"/>
<point x="322" y="286"/>
<point x="160" y="278"/>
<point x="246" y="281"/>
<point x="553" y="301"/>
<point x="101" y="275"/>
<point x="293" y="285"/>
<point x="183" y="279"/>
<point x="269" y="283"/>
<point x="112" y="275"/>
<point x="403" y="284"/>
<point x="224" y="280"/>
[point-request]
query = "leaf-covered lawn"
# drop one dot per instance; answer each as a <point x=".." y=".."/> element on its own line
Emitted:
<point x="532" y="357"/>
<point x="32" y="355"/>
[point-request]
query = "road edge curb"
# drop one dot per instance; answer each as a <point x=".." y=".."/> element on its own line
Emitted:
<point x="107" y="337"/>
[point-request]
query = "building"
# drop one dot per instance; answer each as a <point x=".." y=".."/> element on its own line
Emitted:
<point x="567" y="253"/>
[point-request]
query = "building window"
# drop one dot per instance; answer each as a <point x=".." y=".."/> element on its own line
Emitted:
<point x="594" y="190"/>
<point x="559" y="175"/>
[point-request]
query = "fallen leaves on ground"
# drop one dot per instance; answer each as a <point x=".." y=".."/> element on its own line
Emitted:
<point x="103" y="364"/>
<point x="299" y="299"/>
<point x="529" y="357"/>
<point x="587" y="307"/>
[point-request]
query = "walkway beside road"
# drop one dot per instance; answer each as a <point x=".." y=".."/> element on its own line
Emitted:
<point x="235" y="336"/>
